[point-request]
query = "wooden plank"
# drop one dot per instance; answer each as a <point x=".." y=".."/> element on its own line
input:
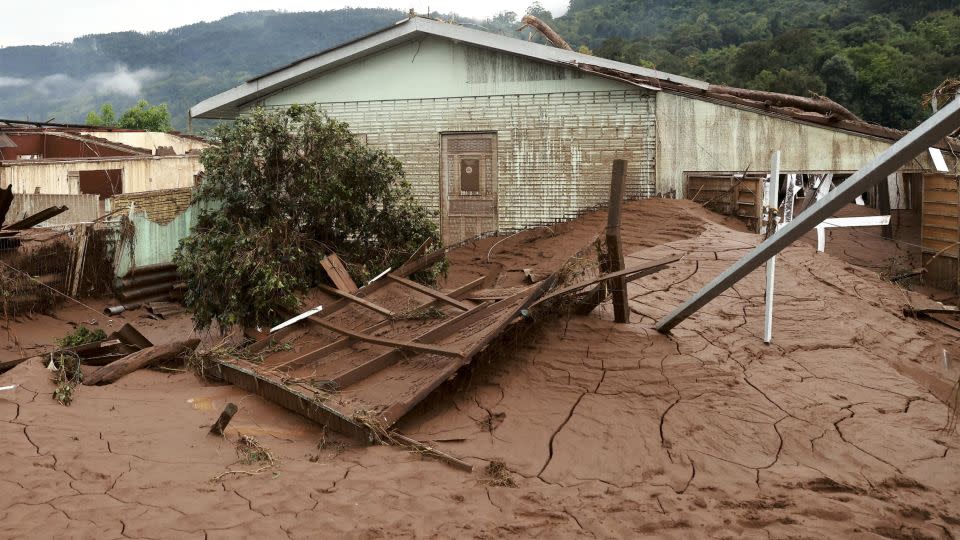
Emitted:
<point x="387" y="359"/>
<point x="405" y="345"/>
<point x="397" y="410"/>
<point x="345" y="341"/>
<point x="614" y="262"/>
<point x="140" y="359"/>
<point x="338" y="273"/>
<point x="355" y="299"/>
<point x="631" y="273"/>
<point x="414" y="266"/>
<point x="467" y="287"/>
<point x="272" y="388"/>
<point x="430" y="292"/>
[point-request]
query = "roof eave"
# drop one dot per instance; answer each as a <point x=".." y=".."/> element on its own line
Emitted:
<point x="228" y="104"/>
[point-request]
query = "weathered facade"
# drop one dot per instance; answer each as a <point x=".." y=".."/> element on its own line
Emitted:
<point x="499" y="134"/>
<point x="57" y="160"/>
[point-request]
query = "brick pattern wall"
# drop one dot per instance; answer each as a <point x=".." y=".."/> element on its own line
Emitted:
<point x="160" y="206"/>
<point x="555" y="151"/>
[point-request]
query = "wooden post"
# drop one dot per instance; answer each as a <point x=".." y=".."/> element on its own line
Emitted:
<point x="225" y="417"/>
<point x="883" y="201"/>
<point x="618" y="285"/>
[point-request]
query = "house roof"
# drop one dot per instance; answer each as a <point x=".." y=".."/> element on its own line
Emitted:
<point x="229" y="103"/>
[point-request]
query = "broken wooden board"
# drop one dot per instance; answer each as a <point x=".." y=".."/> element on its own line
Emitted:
<point x="338" y="273"/>
<point x="359" y="371"/>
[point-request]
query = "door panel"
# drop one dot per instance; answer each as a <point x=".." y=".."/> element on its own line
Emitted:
<point x="468" y="185"/>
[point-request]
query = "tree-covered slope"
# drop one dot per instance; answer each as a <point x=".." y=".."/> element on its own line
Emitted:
<point x="877" y="57"/>
<point x="179" y="67"/>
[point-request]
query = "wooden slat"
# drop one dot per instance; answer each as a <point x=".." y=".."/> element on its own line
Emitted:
<point x="430" y="292"/>
<point x="467" y="287"/>
<point x="382" y="361"/>
<point x="405" y="345"/>
<point x="357" y="300"/>
<point x="338" y="273"/>
<point x="397" y="410"/>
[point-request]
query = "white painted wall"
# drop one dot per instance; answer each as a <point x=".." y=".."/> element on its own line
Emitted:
<point x="139" y="174"/>
<point x="697" y="135"/>
<point x="149" y="140"/>
<point x="437" y="68"/>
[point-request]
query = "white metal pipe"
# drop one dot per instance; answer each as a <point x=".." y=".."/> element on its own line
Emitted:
<point x="907" y="148"/>
<point x="772" y="261"/>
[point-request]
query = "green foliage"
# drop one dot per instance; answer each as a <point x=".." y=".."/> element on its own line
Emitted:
<point x="143" y="116"/>
<point x="105" y="117"/>
<point x="280" y="190"/>
<point x="81" y="335"/>
<point x="67" y="376"/>
<point x="876" y="57"/>
<point x="140" y="116"/>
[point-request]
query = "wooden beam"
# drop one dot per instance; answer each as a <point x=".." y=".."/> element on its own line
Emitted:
<point x="614" y="262"/>
<point x="430" y="292"/>
<point x="467" y="287"/>
<point x="397" y="410"/>
<point x="630" y="274"/>
<point x="355" y="299"/>
<point x="907" y="148"/>
<point x="405" y="345"/>
<point x="140" y="359"/>
<point x="345" y="341"/>
<point x="338" y="273"/>
<point x="387" y="359"/>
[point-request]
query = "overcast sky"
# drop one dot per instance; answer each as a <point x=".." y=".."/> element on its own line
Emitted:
<point x="42" y="22"/>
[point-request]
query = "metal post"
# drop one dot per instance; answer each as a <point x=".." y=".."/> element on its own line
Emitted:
<point x="907" y="148"/>
<point x="771" y="230"/>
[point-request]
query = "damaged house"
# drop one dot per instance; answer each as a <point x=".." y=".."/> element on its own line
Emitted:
<point x="84" y="167"/>
<point x="496" y="133"/>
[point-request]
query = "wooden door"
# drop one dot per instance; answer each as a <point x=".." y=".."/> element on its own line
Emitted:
<point x="468" y="185"/>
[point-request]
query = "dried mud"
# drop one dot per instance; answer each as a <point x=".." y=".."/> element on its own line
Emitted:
<point x="605" y="430"/>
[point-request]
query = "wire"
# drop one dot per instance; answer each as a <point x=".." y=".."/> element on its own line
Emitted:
<point x="67" y="296"/>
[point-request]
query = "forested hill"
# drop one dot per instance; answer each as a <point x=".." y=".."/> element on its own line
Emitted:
<point x="179" y="67"/>
<point x="877" y="57"/>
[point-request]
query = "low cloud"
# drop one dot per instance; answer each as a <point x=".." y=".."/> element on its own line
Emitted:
<point x="13" y="81"/>
<point x="119" y="81"/>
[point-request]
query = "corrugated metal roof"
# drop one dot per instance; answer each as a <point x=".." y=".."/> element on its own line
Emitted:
<point x="228" y="104"/>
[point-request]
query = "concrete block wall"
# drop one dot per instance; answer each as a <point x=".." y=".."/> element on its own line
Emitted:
<point x="159" y="206"/>
<point x="555" y="151"/>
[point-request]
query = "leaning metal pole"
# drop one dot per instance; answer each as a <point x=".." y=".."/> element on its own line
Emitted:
<point x="908" y="147"/>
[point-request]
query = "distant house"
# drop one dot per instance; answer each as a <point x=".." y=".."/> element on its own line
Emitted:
<point x="497" y="133"/>
<point x="58" y="159"/>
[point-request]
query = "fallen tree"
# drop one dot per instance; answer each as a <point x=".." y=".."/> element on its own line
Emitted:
<point x="280" y="191"/>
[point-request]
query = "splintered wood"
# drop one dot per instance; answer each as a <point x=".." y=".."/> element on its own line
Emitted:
<point x="372" y="355"/>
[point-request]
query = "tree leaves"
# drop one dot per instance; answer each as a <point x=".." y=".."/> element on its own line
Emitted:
<point x="281" y="189"/>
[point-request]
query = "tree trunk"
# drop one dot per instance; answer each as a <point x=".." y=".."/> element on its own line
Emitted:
<point x="140" y="359"/>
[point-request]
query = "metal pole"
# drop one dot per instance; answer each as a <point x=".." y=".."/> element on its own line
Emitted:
<point x="771" y="229"/>
<point x="908" y="147"/>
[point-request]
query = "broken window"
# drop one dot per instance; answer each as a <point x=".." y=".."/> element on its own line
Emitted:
<point x="106" y="182"/>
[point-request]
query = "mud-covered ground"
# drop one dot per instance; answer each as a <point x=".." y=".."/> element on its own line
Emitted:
<point x="606" y="430"/>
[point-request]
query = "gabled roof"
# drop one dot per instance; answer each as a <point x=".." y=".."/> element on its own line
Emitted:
<point x="229" y="103"/>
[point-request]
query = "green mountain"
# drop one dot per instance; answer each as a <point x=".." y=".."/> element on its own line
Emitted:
<point x="877" y="57"/>
<point x="179" y="67"/>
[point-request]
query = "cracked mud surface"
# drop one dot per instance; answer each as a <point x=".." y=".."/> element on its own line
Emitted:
<point x="608" y="430"/>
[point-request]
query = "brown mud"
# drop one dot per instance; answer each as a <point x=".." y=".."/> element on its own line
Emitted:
<point x="587" y="429"/>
